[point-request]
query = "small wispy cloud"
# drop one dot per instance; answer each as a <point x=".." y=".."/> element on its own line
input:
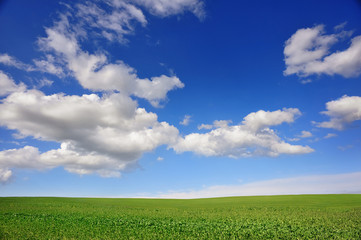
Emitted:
<point x="330" y="135"/>
<point x="306" y="81"/>
<point x="305" y="134"/>
<point x="186" y="120"/>
<point x="346" y="147"/>
<point x="8" y="60"/>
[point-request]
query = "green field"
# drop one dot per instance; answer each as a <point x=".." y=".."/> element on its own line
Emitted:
<point x="269" y="217"/>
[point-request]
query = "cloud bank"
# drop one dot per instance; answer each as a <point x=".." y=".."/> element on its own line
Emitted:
<point x="317" y="184"/>
<point x="252" y="137"/>
<point x="105" y="132"/>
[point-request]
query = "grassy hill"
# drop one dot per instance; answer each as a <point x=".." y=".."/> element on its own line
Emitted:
<point x="264" y="217"/>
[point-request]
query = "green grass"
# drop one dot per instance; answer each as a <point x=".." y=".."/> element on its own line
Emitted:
<point x="269" y="217"/>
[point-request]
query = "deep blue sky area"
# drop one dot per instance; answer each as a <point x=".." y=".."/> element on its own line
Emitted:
<point x="124" y="98"/>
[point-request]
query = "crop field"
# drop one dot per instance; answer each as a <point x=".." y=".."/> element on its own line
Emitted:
<point x="266" y="217"/>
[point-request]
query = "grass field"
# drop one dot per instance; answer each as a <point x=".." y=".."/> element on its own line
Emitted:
<point x="269" y="217"/>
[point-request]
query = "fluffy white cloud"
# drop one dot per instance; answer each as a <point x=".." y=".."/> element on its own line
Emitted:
<point x="251" y="138"/>
<point x="71" y="159"/>
<point x="262" y="119"/>
<point x="7" y="85"/>
<point x="164" y="8"/>
<point x="342" y="112"/>
<point x="95" y="73"/>
<point x="101" y="135"/>
<point x="307" y="52"/>
<point x="317" y="184"/>
<point x="98" y="134"/>
<point x="5" y="175"/>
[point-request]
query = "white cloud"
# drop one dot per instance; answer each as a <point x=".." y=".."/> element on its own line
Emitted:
<point x="44" y="83"/>
<point x="262" y="119"/>
<point x="330" y="135"/>
<point x="307" y="52"/>
<point x="5" y="175"/>
<point x="342" y="112"/>
<point x="317" y="184"/>
<point x="205" y="126"/>
<point x="216" y="124"/>
<point x="13" y="62"/>
<point x="72" y="160"/>
<point x="251" y="138"/>
<point x="305" y="134"/>
<point x="186" y="120"/>
<point x="97" y="134"/>
<point x="115" y="19"/>
<point x="306" y="81"/>
<point x="160" y="159"/>
<point x="165" y="8"/>
<point x="100" y="135"/>
<point x="94" y="73"/>
<point x="110" y="19"/>
<point x="7" y="85"/>
<point x="49" y="65"/>
<point x="293" y="139"/>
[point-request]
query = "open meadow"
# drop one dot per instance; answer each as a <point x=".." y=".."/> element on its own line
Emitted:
<point x="264" y="217"/>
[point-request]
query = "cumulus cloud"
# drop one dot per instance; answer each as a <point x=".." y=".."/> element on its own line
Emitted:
<point x="7" y="85"/>
<point x="252" y="137"/>
<point x="102" y="133"/>
<point x="317" y="184"/>
<point x="72" y="160"/>
<point x="165" y="8"/>
<point x="97" y="134"/>
<point x="5" y="175"/>
<point x="307" y="52"/>
<point x="262" y="119"/>
<point x="95" y="73"/>
<point x="342" y="112"/>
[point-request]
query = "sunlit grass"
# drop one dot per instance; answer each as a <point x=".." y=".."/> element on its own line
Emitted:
<point x="272" y="217"/>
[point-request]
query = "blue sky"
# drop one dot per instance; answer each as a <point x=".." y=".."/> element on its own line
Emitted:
<point x="188" y="98"/>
